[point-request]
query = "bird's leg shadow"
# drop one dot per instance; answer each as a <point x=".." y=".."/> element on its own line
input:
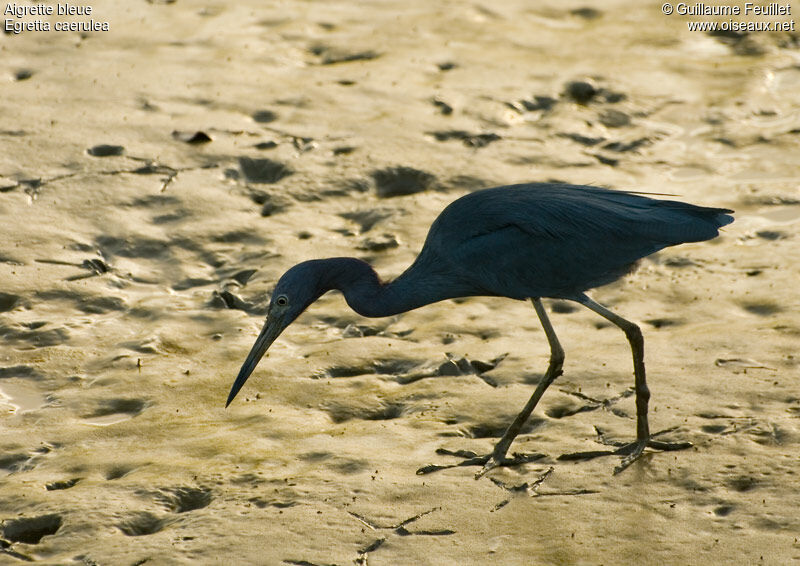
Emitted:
<point x="604" y="404"/>
<point x="398" y="529"/>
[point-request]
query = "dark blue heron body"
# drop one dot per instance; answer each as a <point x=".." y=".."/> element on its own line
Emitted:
<point x="521" y="241"/>
<point x="544" y="240"/>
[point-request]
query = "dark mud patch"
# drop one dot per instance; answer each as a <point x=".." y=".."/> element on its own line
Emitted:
<point x="243" y="276"/>
<point x="454" y="367"/>
<point x="389" y="366"/>
<point x="250" y="479"/>
<point x="334" y="55"/>
<point x="444" y="108"/>
<point x="142" y="524"/>
<point x="743" y="483"/>
<point x="586" y="91"/>
<point x="118" y="471"/>
<point x="762" y="308"/>
<point x="192" y="282"/>
<point x="168" y="218"/>
<point x="108" y="407"/>
<point x="587" y="13"/>
<point x="238" y="237"/>
<point x="723" y="510"/>
<point x="399" y="181"/>
<point x="567" y="409"/>
<point x="23" y="74"/>
<point x="379" y="243"/>
<point x="197" y="137"/>
<point x="157" y="169"/>
<point x="266" y="145"/>
<point x="105" y="150"/>
<point x="278" y="503"/>
<point x="264" y="116"/>
<point x="345" y="187"/>
<point x="496" y="429"/>
<point x="19" y="371"/>
<point x="664" y="322"/>
<point x="395" y="366"/>
<point x="227" y="300"/>
<point x="151" y="201"/>
<point x="741" y="43"/>
<point x="367" y="219"/>
<point x="316" y="456"/>
<point x="9" y="302"/>
<point x="270" y="203"/>
<point x="348" y="466"/>
<point x="100" y="305"/>
<point x="23" y="337"/>
<point x="464" y="366"/>
<point x="361" y="330"/>
<point x="563" y="307"/>
<point x="467" y="138"/>
<point x="13" y="462"/>
<point x="62" y="484"/>
<point x="772" y="235"/>
<point x="343" y="150"/>
<point x="612" y="118"/>
<point x="4" y="258"/>
<point x="340" y="413"/>
<point x="581" y="92"/>
<point x="133" y="247"/>
<point x="31" y="530"/>
<point x="85" y="303"/>
<point x="630" y="146"/>
<point x="183" y="499"/>
<point x="770" y="200"/>
<point x="468" y="182"/>
<point x="345" y="371"/>
<point x="713" y="429"/>
<point x="261" y="170"/>
<point x="679" y="261"/>
<point x="538" y="103"/>
<point x="583" y="140"/>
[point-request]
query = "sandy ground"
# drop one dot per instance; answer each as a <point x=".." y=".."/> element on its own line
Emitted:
<point x="156" y="179"/>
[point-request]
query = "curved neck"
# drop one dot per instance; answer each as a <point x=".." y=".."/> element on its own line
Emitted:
<point x="366" y="294"/>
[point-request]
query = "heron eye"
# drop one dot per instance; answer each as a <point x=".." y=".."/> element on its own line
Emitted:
<point x="282" y="301"/>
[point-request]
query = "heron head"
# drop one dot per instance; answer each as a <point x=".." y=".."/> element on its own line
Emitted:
<point x="295" y="291"/>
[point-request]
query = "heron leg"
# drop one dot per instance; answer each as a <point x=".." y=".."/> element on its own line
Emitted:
<point x="553" y="371"/>
<point x="634" y="334"/>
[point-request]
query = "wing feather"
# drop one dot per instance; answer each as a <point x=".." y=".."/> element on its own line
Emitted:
<point x="559" y="240"/>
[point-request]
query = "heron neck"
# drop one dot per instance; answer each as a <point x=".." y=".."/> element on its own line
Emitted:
<point x="366" y="294"/>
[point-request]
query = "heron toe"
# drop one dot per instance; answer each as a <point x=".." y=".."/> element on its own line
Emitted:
<point x="634" y="450"/>
<point x="487" y="461"/>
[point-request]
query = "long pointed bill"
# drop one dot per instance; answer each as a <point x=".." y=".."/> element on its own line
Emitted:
<point x="268" y="334"/>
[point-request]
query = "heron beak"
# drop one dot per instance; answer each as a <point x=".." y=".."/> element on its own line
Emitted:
<point x="269" y="333"/>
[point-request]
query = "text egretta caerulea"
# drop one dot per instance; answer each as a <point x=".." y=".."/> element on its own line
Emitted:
<point x="523" y="242"/>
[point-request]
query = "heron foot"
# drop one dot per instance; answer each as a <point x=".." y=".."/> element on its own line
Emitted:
<point x="631" y="451"/>
<point x="634" y="450"/>
<point x="487" y="461"/>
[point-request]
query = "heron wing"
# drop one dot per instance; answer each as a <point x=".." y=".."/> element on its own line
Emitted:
<point x="559" y="240"/>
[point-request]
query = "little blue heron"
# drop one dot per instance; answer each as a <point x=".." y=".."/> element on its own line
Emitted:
<point x="523" y="241"/>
